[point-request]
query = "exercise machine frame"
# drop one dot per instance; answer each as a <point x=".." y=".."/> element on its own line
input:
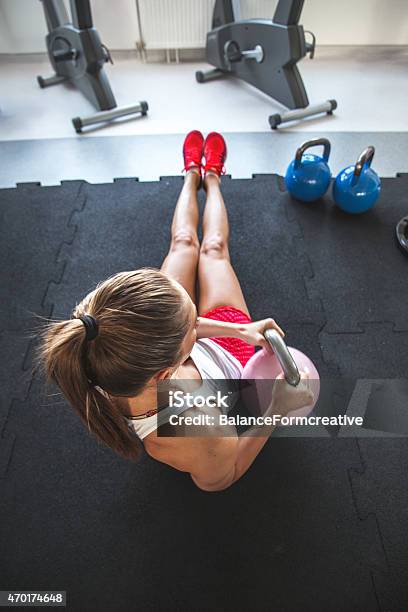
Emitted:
<point x="264" y="53"/>
<point x="77" y="55"/>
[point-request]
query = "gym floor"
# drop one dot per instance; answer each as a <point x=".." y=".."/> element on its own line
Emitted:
<point x="318" y="522"/>
<point x="38" y="143"/>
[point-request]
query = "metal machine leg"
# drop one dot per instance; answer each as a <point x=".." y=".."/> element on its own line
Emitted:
<point x="109" y="115"/>
<point x="209" y="75"/>
<point x="300" y="113"/>
<point x="52" y="80"/>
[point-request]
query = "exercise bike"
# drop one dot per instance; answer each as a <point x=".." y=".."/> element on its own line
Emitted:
<point x="264" y="53"/>
<point x="78" y="56"/>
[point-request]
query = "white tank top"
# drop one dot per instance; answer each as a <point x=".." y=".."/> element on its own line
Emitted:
<point x="213" y="363"/>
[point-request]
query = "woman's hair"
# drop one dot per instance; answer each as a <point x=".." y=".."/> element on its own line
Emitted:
<point x="142" y="323"/>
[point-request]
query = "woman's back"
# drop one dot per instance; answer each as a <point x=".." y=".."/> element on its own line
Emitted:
<point x="208" y="362"/>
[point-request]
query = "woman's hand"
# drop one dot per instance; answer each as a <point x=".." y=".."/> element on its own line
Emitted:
<point x="286" y="398"/>
<point x="253" y="333"/>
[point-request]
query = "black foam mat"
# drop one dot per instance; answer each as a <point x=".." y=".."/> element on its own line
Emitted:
<point x="357" y="273"/>
<point x="300" y="530"/>
<point x="35" y="225"/>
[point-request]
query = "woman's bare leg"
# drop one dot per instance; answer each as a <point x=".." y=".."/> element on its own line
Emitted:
<point x="182" y="258"/>
<point x="219" y="285"/>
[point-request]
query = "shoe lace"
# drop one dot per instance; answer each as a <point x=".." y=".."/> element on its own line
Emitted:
<point x="195" y="152"/>
<point x="216" y="161"/>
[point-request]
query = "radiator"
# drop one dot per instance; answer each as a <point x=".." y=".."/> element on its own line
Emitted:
<point x="183" y="24"/>
<point x="175" y="24"/>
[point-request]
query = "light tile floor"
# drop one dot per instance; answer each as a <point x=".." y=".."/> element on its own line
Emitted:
<point x="38" y="143"/>
<point x="369" y="83"/>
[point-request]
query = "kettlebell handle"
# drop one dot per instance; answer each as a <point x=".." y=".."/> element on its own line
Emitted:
<point x="366" y="157"/>
<point x="284" y="357"/>
<point x="402" y="233"/>
<point x="315" y="142"/>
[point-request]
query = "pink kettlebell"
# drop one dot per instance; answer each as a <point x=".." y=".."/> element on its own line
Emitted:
<point x="265" y="366"/>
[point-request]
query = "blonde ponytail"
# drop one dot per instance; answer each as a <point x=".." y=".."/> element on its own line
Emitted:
<point x="142" y="322"/>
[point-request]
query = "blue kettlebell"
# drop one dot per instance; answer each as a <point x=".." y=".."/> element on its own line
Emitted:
<point x="357" y="188"/>
<point x="308" y="176"/>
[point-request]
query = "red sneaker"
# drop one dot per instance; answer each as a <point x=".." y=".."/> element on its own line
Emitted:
<point x="193" y="150"/>
<point x="215" y="153"/>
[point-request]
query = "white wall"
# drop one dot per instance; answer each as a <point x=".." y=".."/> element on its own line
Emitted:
<point x="335" y="22"/>
<point x="346" y="22"/>
<point x="23" y="28"/>
<point x="357" y="22"/>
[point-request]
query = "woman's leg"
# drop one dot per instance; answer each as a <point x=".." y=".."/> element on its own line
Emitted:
<point x="182" y="258"/>
<point x="219" y="285"/>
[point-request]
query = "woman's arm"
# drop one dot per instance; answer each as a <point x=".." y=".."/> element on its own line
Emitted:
<point x="252" y="333"/>
<point x="215" y="462"/>
<point x="285" y="399"/>
<point x="210" y="328"/>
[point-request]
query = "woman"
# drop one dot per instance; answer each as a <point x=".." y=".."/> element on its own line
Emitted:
<point x="144" y="326"/>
